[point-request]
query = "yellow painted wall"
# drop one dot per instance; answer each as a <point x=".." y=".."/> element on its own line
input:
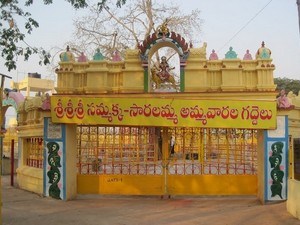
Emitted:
<point x="120" y="184"/>
<point x="88" y="184"/>
<point x="175" y="184"/>
<point x="293" y="202"/>
<point x="30" y="179"/>
<point x="201" y="75"/>
<point x="212" y="185"/>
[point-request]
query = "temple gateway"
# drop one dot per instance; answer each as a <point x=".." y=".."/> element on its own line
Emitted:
<point x="143" y="124"/>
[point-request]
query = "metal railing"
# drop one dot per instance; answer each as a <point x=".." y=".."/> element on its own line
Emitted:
<point x="34" y="147"/>
<point x="138" y="150"/>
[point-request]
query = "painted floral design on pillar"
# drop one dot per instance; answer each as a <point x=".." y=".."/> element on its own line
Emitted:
<point x="277" y="174"/>
<point x="54" y="174"/>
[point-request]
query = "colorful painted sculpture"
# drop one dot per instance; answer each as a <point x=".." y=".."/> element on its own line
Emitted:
<point x="163" y="29"/>
<point x="54" y="173"/>
<point x="276" y="173"/>
<point x="46" y="105"/>
<point x="162" y="73"/>
<point x="283" y="101"/>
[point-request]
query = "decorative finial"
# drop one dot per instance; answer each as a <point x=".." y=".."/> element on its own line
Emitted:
<point x="67" y="56"/>
<point x="82" y="58"/>
<point x="213" y="55"/>
<point x="116" y="56"/>
<point x="263" y="52"/>
<point x="163" y="30"/>
<point x="230" y="54"/>
<point x="247" y="56"/>
<point x="98" y="55"/>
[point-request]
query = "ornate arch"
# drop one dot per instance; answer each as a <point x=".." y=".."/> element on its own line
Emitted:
<point x="163" y="38"/>
<point x="10" y="98"/>
<point x="172" y="39"/>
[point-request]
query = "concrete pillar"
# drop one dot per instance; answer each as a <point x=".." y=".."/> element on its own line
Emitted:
<point x="260" y="165"/>
<point x="71" y="157"/>
<point x="272" y="162"/>
<point x="60" y="172"/>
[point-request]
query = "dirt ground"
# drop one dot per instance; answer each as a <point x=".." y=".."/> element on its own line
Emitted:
<point x="21" y="207"/>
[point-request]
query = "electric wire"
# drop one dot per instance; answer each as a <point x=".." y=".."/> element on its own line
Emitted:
<point x="243" y="27"/>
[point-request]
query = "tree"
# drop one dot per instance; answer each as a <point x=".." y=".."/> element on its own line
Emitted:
<point x="112" y="29"/>
<point x="288" y="85"/>
<point x="13" y="37"/>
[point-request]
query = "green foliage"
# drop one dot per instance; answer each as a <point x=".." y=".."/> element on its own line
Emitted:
<point x="77" y="4"/>
<point x="101" y="4"/>
<point x="288" y="85"/>
<point x="12" y="37"/>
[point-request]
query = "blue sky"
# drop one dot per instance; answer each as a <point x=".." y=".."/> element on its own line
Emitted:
<point x="276" y="24"/>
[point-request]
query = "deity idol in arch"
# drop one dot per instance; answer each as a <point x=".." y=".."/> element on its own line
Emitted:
<point x="162" y="73"/>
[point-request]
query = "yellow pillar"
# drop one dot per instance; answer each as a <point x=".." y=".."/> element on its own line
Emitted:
<point x="71" y="158"/>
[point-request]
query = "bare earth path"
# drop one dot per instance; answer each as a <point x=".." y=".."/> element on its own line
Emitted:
<point x="22" y="207"/>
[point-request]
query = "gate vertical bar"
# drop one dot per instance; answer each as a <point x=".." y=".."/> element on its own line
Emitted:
<point x="165" y="156"/>
<point x="12" y="165"/>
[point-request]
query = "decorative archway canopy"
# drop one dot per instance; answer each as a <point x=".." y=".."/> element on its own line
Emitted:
<point x="164" y="39"/>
